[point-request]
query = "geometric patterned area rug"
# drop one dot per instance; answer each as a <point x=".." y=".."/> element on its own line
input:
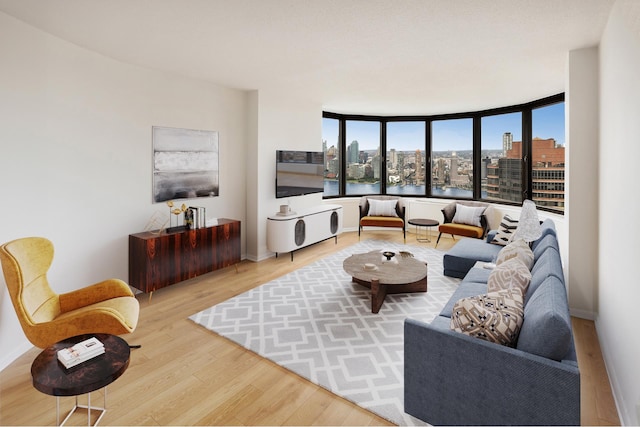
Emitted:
<point x="315" y="322"/>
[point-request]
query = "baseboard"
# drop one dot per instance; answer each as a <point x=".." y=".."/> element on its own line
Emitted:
<point x="582" y="314"/>
<point x="18" y="351"/>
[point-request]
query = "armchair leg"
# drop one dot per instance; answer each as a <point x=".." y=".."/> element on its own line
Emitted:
<point x="437" y="241"/>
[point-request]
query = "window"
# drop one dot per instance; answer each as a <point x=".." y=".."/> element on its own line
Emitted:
<point x="405" y="158"/>
<point x="331" y="148"/>
<point x="501" y="158"/>
<point x="547" y="156"/>
<point x="452" y="158"/>
<point x="363" y="158"/>
<point x="516" y="152"/>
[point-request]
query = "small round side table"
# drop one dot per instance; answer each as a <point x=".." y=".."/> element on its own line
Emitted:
<point x="52" y="378"/>
<point x="423" y="222"/>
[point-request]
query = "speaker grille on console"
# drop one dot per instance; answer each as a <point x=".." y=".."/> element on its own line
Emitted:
<point x="299" y="232"/>
<point x="334" y="222"/>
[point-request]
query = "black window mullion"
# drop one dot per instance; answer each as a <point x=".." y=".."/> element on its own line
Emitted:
<point x="477" y="158"/>
<point x="383" y="157"/>
<point x="527" y="152"/>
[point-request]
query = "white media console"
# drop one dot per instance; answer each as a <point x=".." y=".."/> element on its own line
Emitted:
<point x="289" y="232"/>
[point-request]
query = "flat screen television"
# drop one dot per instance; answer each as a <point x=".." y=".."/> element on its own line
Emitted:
<point x="299" y="173"/>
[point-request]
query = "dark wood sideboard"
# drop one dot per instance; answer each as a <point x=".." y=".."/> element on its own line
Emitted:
<point x="160" y="260"/>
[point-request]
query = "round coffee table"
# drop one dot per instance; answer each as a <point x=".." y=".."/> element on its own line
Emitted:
<point x="401" y="274"/>
<point x="52" y="378"/>
<point x="423" y="222"/>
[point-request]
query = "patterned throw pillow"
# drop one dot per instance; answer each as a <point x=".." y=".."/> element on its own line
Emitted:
<point x="516" y="249"/>
<point x="382" y="207"/>
<point x="496" y="316"/>
<point x="506" y="230"/>
<point x="468" y="215"/>
<point x="510" y="274"/>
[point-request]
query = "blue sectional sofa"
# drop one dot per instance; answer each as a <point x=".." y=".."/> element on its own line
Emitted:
<point x="455" y="379"/>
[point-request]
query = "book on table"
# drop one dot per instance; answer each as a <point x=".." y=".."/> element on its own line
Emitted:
<point x="80" y="352"/>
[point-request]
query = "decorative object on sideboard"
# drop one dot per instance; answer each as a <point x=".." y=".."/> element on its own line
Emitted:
<point x="176" y="211"/>
<point x="157" y="223"/>
<point x="195" y="217"/>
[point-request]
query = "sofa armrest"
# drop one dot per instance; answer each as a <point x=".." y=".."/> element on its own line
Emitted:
<point x="453" y="379"/>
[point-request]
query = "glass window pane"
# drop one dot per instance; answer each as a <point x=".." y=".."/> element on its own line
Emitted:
<point x="331" y="148"/>
<point x="501" y="161"/>
<point x="363" y="157"/>
<point x="452" y="158"/>
<point x="405" y="158"/>
<point x="548" y="156"/>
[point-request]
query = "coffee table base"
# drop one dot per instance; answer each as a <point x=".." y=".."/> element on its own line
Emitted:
<point x="380" y="290"/>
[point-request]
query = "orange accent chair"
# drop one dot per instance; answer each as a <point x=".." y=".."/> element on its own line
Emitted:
<point x="459" y="229"/>
<point x="380" y="216"/>
<point x="46" y="317"/>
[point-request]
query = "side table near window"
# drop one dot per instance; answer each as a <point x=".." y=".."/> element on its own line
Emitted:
<point x="422" y="222"/>
<point x="52" y="378"/>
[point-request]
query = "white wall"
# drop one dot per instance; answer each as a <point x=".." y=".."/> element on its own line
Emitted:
<point x="75" y="164"/>
<point x="581" y="184"/>
<point x="284" y="122"/>
<point x="619" y="207"/>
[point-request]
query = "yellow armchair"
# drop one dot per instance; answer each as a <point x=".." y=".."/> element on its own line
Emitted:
<point x="46" y="317"/>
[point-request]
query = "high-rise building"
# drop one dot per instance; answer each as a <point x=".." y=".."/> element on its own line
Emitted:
<point x="507" y="143"/>
<point x="393" y="158"/>
<point x="353" y="152"/>
<point x="419" y="168"/>
<point x="548" y="170"/>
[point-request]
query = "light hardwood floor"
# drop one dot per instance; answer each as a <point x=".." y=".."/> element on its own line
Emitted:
<point x="186" y="375"/>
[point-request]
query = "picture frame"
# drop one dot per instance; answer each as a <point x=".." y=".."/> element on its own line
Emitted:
<point x="185" y="163"/>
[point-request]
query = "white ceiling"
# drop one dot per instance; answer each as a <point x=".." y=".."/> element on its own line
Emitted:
<point x="352" y="56"/>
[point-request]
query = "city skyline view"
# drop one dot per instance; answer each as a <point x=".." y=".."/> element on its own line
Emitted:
<point x="450" y="135"/>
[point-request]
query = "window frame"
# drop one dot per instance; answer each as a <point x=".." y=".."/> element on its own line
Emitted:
<point x="525" y="109"/>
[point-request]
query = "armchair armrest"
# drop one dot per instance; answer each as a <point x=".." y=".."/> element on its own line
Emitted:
<point x="451" y="378"/>
<point x="101" y="291"/>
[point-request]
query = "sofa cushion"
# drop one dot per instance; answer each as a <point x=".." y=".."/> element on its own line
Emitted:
<point x="546" y="330"/>
<point x="516" y="249"/>
<point x="465" y="290"/>
<point x="548" y="227"/>
<point x="495" y="316"/>
<point x="548" y="264"/>
<point x="382" y="207"/>
<point x="463" y="255"/>
<point x="510" y="274"/>
<point x="548" y="241"/>
<point x="478" y="275"/>
<point x="469" y="215"/>
<point x="505" y="232"/>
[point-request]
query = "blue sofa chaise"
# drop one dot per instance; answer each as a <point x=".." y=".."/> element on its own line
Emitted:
<point x="455" y="379"/>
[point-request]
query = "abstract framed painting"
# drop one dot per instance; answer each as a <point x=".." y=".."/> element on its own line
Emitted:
<point x="185" y="163"/>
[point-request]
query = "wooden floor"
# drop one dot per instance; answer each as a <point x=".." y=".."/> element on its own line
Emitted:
<point x="186" y="375"/>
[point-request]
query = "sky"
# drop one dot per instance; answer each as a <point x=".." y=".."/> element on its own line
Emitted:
<point x="548" y="122"/>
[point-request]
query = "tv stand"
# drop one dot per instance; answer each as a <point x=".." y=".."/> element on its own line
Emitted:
<point x="288" y="233"/>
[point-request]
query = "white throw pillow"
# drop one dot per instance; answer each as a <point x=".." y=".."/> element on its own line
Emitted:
<point x="516" y="249"/>
<point x="382" y="207"/>
<point x="468" y="215"/>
